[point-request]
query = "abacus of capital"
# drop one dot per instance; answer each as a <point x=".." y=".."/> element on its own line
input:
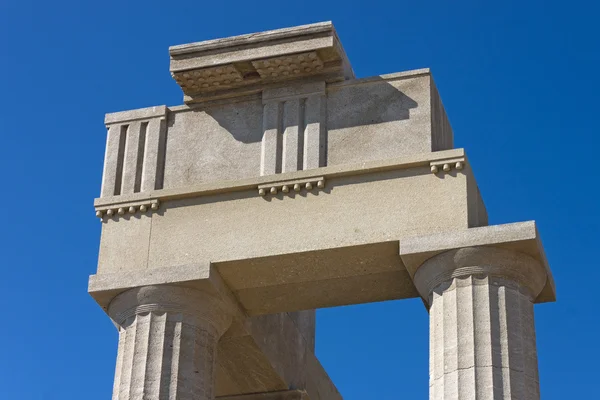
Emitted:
<point x="285" y="184"/>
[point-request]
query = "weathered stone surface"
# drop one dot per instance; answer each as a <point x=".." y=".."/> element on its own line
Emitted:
<point x="385" y="117"/>
<point x="119" y="231"/>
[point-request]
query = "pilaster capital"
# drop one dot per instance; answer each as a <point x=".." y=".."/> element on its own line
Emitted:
<point x="198" y="308"/>
<point x="499" y="263"/>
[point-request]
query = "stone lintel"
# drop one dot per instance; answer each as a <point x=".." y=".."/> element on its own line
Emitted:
<point x="521" y="237"/>
<point x="280" y="395"/>
<point x="320" y="277"/>
<point x="206" y="70"/>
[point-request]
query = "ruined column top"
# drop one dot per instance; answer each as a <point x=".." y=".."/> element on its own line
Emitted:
<point x="234" y="65"/>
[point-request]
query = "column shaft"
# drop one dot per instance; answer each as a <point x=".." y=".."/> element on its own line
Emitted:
<point x="482" y="341"/>
<point x="167" y="344"/>
<point x="482" y="336"/>
<point x="162" y="356"/>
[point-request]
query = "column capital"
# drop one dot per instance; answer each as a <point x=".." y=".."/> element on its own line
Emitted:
<point x="510" y="252"/>
<point x="200" y="308"/>
<point x="492" y="262"/>
<point x="168" y="339"/>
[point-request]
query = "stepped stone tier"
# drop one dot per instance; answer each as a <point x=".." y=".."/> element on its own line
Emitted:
<point x="285" y="184"/>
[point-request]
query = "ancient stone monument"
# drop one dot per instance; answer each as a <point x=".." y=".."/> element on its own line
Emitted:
<point x="282" y="185"/>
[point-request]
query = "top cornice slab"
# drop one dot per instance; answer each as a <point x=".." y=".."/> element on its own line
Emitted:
<point x="258" y="38"/>
<point x="239" y="64"/>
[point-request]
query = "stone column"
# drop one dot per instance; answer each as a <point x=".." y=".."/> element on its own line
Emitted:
<point x="482" y="335"/>
<point x="167" y="343"/>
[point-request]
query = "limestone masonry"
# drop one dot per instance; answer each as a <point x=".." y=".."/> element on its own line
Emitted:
<point x="285" y="184"/>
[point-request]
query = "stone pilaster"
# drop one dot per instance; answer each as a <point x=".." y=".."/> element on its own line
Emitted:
<point x="482" y="335"/>
<point x="167" y="343"/>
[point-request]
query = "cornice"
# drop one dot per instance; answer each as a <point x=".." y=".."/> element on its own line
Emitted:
<point x="251" y="38"/>
<point x="314" y="178"/>
<point x="236" y="66"/>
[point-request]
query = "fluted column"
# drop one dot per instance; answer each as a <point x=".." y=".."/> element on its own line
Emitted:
<point x="167" y="343"/>
<point x="482" y="336"/>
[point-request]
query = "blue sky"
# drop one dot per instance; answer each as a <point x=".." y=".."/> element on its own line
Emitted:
<point x="520" y="83"/>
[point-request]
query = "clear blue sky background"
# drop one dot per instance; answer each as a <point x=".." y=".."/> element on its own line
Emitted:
<point x="520" y="82"/>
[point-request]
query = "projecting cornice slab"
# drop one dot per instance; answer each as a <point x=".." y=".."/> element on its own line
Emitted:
<point x="236" y="65"/>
